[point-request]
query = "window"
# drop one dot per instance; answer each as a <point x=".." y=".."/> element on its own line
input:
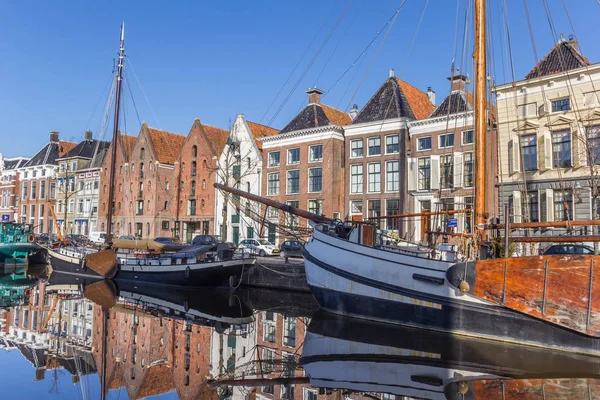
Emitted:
<point x="374" y="177"/>
<point x="293" y="156"/>
<point x="274" y="159"/>
<point x="71" y="205"/>
<point x="194" y="168"/>
<point x="468" y="216"/>
<point x="356" y="178"/>
<point x="530" y="207"/>
<point x="42" y="189"/>
<point x="273" y="184"/>
<point x="193" y="188"/>
<point x="561" y="149"/>
<point x="447" y="204"/>
<point x="424" y="173"/>
<point x="527" y="110"/>
<point x="315" y="180"/>
<point x="356" y="148"/>
<point x="593" y="137"/>
<point x="392" y="144"/>
<point x="24" y="191"/>
<point x="375" y="210"/>
<point x="291" y="220"/>
<point x="268" y="389"/>
<point x="374" y="146"/>
<point x="289" y="331"/>
<point x="142" y="153"/>
<point x="52" y="190"/>
<point x="310" y="394"/>
<point x="424" y="143"/>
<point x="392" y="176"/>
<point x="356" y="207"/>
<point x="392" y="207"/>
<point x="191" y="207"/>
<point x="561" y="105"/>
<point x="446" y="140"/>
<point x="563" y="205"/>
<point x="316" y="153"/>
<point x="203" y="183"/>
<point x="269" y="327"/>
<point x="33" y="190"/>
<point x="447" y="171"/>
<point x="467" y="137"/>
<point x="529" y="152"/>
<point x="194" y="151"/>
<point x="468" y="169"/>
<point x="293" y="182"/>
<point x="315" y="206"/>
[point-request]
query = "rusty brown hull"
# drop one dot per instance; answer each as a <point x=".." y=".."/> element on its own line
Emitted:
<point x="536" y="389"/>
<point x="560" y="289"/>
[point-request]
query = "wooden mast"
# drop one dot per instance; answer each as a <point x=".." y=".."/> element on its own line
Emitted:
<point x="480" y="117"/>
<point x="115" y="138"/>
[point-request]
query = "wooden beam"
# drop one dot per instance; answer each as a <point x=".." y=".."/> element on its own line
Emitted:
<point x="555" y="239"/>
<point x="553" y="224"/>
<point x="480" y="116"/>
<point x="422" y="214"/>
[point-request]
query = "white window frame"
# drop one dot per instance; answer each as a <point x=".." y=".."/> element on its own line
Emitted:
<point x="369" y="178"/>
<point x="462" y="137"/>
<point x="308" y="180"/>
<point x="397" y="135"/>
<point x="362" y="168"/>
<point x="310" y="160"/>
<point x="387" y="163"/>
<point x="374" y="155"/>
<point x="424" y="137"/>
<point x="269" y="159"/>
<point x="361" y="206"/>
<point x="288" y="162"/>
<point x="446" y="135"/>
<point x="362" y="147"/>
<point x="287" y="187"/>
<point x="279" y="186"/>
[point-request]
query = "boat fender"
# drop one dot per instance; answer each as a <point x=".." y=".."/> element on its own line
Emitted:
<point x="464" y="287"/>
<point x="187" y="273"/>
<point x="30" y="238"/>
<point x="463" y="387"/>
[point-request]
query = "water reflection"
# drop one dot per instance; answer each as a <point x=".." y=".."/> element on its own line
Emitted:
<point x="131" y="341"/>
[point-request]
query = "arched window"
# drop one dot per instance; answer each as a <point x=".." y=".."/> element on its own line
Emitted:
<point x="119" y="205"/>
<point x="131" y="206"/>
<point x="166" y="205"/>
<point x="183" y="167"/>
<point x="167" y="185"/>
<point x="204" y="164"/>
<point x="249" y="163"/>
<point x="132" y="167"/>
<point x="128" y="232"/>
<point x="202" y="203"/>
<point x="248" y="187"/>
<point x="120" y="187"/>
<point x="148" y="204"/>
<point x="203" y="183"/>
<point x="104" y="189"/>
<point x="149" y="185"/>
<point x="103" y="206"/>
<point x="142" y="153"/>
<point x="148" y="228"/>
<point x="181" y="186"/>
<point x="131" y="187"/>
<point x="141" y="170"/>
<point x="121" y="170"/>
<point x="193" y="188"/>
<point x="193" y="168"/>
<point x="194" y="151"/>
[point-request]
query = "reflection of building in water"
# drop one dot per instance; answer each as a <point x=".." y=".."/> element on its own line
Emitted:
<point x="28" y="329"/>
<point x="148" y="355"/>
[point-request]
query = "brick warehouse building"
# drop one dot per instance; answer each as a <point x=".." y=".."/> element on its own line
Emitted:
<point x="376" y="144"/>
<point x="303" y="165"/>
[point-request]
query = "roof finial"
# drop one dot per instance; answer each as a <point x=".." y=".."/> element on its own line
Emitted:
<point x="562" y="38"/>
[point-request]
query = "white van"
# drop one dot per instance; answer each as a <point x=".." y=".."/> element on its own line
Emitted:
<point x="98" y="237"/>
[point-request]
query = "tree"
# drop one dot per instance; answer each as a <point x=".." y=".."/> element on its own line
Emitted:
<point x="67" y="189"/>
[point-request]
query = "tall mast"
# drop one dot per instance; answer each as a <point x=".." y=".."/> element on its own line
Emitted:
<point x="115" y="138"/>
<point x="480" y="117"/>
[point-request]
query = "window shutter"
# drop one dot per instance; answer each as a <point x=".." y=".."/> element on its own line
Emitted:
<point x="458" y="170"/>
<point x="547" y="150"/>
<point x="459" y="204"/>
<point x="435" y="172"/>
<point x="532" y="109"/>
<point x="413" y="174"/>
<point x="517" y="209"/>
<point x="549" y="205"/>
<point x="515" y="157"/>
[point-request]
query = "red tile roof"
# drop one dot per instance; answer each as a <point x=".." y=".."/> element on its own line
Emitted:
<point x="128" y="143"/>
<point x="216" y="136"/>
<point x="335" y="116"/>
<point x="418" y="100"/>
<point x="260" y="131"/>
<point x="562" y="57"/>
<point x="157" y="380"/>
<point x="64" y="147"/>
<point x="167" y="145"/>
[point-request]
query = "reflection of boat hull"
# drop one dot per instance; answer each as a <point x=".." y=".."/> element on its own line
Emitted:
<point x="352" y="281"/>
<point x="20" y="254"/>
<point x="216" y="273"/>
<point x="342" y="353"/>
<point x="207" y="306"/>
<point x="70" y="262"/>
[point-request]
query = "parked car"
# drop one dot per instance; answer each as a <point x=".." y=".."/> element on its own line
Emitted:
<point x="203" y="240"/>
<point x="291" y="248"/>
<point x="97" y="237"/>
<point x="568" y="249"/>
<point x="261" y="247"/>
<point x="127" y="237"/>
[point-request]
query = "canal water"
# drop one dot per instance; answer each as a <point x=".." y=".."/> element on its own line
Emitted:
<point x="63" y="337"/>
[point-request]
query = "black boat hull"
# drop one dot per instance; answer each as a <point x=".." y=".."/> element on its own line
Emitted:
<point x="70" y="265"/>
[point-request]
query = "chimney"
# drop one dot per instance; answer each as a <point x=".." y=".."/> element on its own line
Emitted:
<point x="39" y="374"/>
<point x="54" y="137"/>
<point x="391" y="72"/>
<point x="88" y="135"/>
<point x="314" y="95"/>
<point x="459" y="82"/>
<point x="431" y="95"/>
<point x="574" y="43"/>
<point x="354" y="112"/>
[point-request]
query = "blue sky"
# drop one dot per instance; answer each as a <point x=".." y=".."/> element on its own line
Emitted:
<point x="213" y="60"/>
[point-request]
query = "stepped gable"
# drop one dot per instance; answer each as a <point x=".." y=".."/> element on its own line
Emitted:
<point x="316" y="114"/>
<point x="167" y="145"/>
<point x="395" y="99"/>
<point x="562" y="57"/>
<point x="260" y="131"/>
